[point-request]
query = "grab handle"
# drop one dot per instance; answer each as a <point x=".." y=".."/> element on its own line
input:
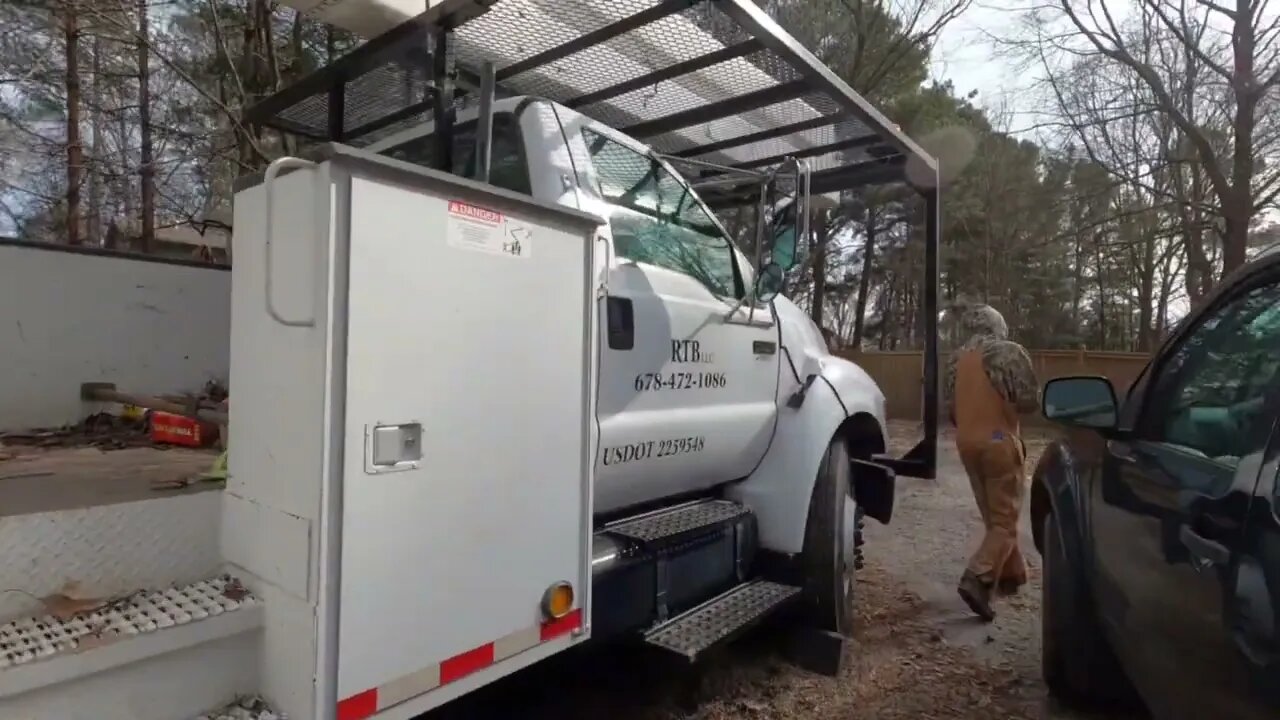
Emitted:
<point x="269" y="177"/>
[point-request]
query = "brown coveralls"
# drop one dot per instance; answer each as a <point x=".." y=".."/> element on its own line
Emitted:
<point x="988" y="440"/>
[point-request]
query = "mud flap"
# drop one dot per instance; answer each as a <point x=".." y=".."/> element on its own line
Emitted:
<point x="873" y="488"/>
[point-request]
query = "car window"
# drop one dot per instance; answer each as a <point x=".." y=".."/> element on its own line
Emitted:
<point x="508" y="167"/>
<point x="656" y="219"/>
<point x="1217" y="392"/>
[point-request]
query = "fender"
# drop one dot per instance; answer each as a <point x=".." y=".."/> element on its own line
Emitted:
<point x="839" y="396"/>
<point x="1056" y="487"/>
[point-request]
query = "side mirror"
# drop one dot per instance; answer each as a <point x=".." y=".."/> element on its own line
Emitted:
<point x="783" y="234"/>
<point x="769" y="282"/>
<point x="1081" y="401"/>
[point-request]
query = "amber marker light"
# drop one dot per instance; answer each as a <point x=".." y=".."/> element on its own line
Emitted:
<point x="557" y="601"/>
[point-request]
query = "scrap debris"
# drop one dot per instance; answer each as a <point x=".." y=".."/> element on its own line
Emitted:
<point x="101" y="430"/>
<point x="216" y="474"/>
<point x="125" y="425"/>
<point x="246" y="708"/>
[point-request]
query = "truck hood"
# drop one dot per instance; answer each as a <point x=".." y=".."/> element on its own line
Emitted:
<point x="807" y="349"/>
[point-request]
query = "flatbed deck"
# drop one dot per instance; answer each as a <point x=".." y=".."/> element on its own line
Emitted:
<point x="39" y="480"/>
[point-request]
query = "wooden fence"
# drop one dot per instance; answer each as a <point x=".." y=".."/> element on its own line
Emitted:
<point x="900" y="374"/>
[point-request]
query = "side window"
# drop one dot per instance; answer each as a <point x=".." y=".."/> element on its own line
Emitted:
<point x="508" y="167"/>
<point x="1218" y="393"/>
<point x="656" y="219"/>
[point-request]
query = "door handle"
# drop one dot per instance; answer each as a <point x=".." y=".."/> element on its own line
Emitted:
<point x="1121" y="451"/>
<point x="1207" y="552"/>
<point x="621" y="323"/>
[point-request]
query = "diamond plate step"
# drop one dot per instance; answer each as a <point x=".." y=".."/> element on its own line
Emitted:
<point x="679" y="521"/>
<point x="46" y="659"/>
<point x="721" y="618"/>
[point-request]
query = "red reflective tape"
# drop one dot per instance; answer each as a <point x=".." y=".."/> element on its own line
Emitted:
<point x="565" y="625"/>
<point x="460" y="666"/>
<point x="360" y="706"/>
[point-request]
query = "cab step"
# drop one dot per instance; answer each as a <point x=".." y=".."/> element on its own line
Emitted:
<point x="671" y="525"/>
<point x="722" y="618"/>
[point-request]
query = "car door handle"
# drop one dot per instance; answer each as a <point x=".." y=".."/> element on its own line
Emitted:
<point x="1252" y="649"/>
<point x="1208" y="552"/>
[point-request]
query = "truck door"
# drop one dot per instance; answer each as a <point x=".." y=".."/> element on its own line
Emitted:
<point x="1169" y="513"/>
<point x="687" y="382"/>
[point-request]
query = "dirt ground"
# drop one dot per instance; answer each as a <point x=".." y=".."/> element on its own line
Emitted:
<point x="917" y="651"/>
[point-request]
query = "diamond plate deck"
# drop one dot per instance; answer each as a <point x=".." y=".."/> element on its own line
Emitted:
<point x="678" y="521"/>
<point x="38" y="480"/>
<point x="108" y="550"/>
<point x="721" y="618"/>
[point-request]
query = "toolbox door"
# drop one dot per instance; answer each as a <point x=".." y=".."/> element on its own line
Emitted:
<point x="466" y="479"/>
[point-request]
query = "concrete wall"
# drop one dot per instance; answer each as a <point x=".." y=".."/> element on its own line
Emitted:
<point x="149" y="326"/>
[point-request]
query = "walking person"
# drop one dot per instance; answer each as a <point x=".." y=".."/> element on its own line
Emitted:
<point x="989" y="382"/>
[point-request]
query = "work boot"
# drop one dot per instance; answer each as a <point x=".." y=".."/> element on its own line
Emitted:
<point x="1009" y="586"/>
<point x="977" y="595"/>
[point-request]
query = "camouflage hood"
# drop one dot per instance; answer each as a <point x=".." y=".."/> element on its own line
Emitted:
<point x="966" y="322"/>
<point x="983" y="321"/>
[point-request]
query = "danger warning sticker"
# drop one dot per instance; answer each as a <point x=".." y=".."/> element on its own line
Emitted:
<point x="471" y="227"/>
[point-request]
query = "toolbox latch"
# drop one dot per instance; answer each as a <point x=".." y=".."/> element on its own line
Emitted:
<point x="391" y="448"/>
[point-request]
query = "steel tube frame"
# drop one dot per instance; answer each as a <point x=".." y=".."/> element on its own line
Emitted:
<point x="701" y="62"/>
<point x="757" y="23"/>
<point x="338" y="111"/>
<point x="431" y="29"/>
<point x="838" y="146"/>
<point x="442" y="110"/>
<point x="922" y="460"/>
<point x="744" y="172"/>
<point x="484" y="123"/>
<point x="735" y="105"/>
<point x="597" y="36"/>
<point x="927" y="450"/>
<point x="769" y="134"/>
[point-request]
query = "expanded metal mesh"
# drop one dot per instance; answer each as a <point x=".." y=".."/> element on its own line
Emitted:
<point x="699" y="114"/>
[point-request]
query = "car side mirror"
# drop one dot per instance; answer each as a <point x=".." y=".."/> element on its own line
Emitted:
<point x="1084" y="401"/>
<point x="769" y="282"/>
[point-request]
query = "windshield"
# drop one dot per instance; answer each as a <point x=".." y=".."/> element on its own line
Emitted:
<point x="657" y="219"/>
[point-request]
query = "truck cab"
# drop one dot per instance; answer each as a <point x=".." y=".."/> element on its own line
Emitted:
<point x="692" y="352"/>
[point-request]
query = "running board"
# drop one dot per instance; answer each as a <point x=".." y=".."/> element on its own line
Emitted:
<point x="673" y="525"/>
<point x="721" y="619"/>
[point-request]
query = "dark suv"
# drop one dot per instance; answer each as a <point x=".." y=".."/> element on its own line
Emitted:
<point x="1157" y="519"/>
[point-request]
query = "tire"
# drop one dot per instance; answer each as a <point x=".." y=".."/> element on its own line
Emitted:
<point x="828" y="564"/>
<point x="1079" y="666"/>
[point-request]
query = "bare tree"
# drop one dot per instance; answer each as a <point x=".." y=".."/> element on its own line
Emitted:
<point x="146" y="169"/>
<point x="1211" y="70"/>
<point x="75" y="157"/>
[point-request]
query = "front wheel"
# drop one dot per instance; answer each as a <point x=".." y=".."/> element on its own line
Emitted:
<point x="832" y="536"/>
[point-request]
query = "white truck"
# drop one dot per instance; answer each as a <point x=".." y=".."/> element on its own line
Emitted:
<point x="502" y="380"/>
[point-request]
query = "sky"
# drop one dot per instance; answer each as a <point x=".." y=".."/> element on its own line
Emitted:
<point x="967" y="56"/>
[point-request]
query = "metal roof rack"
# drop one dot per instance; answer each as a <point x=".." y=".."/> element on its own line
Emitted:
<point x="715" y="85"/>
